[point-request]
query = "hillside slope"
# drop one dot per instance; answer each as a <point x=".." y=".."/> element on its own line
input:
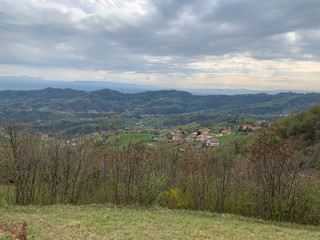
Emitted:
<point x="111" y="222"/>
<point x="303" y="129"/>
<point x="28" y="106"/>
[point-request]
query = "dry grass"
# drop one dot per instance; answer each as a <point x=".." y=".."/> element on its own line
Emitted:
<point x="114" y="222"/>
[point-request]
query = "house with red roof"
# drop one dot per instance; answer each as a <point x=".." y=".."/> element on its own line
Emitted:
<point x="205" y="131"/>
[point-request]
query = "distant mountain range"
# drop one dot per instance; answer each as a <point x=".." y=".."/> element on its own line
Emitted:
<point x="33" y="83"/>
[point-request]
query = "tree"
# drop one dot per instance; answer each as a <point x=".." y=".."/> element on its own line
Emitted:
<point x="22" y="154"/>
<point x="274" y="170"/>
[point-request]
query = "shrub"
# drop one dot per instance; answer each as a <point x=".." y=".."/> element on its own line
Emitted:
<point x="176" y="198"/>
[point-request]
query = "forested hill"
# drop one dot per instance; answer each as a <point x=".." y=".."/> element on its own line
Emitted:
<point x="60" y="103"/>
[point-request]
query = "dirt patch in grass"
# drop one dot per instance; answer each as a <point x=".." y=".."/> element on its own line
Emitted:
<point x="17" y="231"/>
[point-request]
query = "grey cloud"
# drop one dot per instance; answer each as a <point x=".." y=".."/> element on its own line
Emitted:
<point x="183" y="30"/>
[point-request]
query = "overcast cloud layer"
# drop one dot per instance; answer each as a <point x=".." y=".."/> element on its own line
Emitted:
<point x="252" y="44"/>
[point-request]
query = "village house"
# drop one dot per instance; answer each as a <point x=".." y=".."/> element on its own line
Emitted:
<point x="250" y="127"/>
<point x="205" y="131"/>
<point x="201" y="137"/>
<point x="197" y="137"/>
<point x="45" y="137"/>
<point x="177" y="135"/>
<point x="213" y="142"/>
<point x="192" y="137"/>
<point x="247" y="126"/>
<point x="226" y="132"/>
<point x="255" y="129"/>
<point x="209" y="143"/>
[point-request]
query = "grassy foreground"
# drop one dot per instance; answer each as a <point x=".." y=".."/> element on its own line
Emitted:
<point x="118" y="222"/>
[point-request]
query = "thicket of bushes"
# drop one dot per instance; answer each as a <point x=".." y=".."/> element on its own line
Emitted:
<point x="262" y="175"/>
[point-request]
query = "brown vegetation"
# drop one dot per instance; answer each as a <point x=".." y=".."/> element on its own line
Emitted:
<point x="18" y="231"/>
<point x="260" y="176"/>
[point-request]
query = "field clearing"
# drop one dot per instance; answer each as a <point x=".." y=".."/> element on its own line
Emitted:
<point x="223" y="139"/>
<point x="119" y="222"/>
<point x="126" y="138"/>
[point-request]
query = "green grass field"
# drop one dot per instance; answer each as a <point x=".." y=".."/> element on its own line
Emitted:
<point x="223" y="139"/>
<point x="126" y="138"/>
<point x="119" y="222"/>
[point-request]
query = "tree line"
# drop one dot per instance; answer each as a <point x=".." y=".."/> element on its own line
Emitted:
<point x="262" y="175"/>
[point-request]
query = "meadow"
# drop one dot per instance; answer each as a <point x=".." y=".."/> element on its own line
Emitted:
<point x="131" y="222"/>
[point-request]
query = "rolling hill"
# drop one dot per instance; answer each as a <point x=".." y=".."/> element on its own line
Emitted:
<point x="52" y="104"/>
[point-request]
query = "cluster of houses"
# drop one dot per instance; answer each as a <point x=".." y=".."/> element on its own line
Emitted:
<point x="201" y="137"/>
<point x="250" y="128"/>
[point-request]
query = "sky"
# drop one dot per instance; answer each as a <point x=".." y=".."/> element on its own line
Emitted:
<point x="262" y="45"/>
